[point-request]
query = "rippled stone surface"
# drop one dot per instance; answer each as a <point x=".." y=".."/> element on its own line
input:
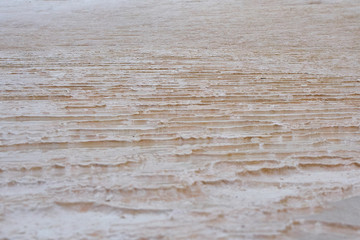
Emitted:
<point x="179" y="119"/>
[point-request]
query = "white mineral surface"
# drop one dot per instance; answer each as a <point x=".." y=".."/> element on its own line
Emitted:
<point x="176" y="119"/>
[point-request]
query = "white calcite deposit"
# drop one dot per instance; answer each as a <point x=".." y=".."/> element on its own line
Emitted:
<point x="174" y="119"/>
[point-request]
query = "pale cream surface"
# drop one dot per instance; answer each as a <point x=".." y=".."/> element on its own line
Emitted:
<point x="175" y="119"/>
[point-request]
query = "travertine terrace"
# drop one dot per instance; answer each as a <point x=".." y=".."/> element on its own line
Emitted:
<point x="175" y="119"/>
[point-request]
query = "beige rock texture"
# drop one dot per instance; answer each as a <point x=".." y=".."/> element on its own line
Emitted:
<point x="179" y="119"/>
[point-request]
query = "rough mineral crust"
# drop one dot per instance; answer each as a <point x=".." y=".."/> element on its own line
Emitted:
<point x="175" y="119"/>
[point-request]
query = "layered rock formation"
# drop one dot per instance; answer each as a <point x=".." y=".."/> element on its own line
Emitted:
<point x="179" y="119"/>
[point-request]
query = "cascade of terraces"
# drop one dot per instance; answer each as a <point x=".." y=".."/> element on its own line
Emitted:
<point x="179" y="119"/>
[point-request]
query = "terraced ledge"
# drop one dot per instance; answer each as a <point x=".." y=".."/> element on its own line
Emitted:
<point x="207" y="119"/>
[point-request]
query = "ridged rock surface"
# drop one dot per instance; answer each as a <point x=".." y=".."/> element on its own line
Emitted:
<point x="208" y="119"/>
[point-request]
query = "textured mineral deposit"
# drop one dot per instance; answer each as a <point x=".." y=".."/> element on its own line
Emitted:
<point x="179" y="119"/>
